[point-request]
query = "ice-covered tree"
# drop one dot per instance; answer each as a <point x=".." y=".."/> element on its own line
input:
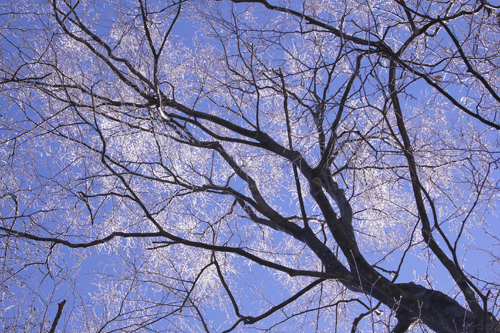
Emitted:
<point x="308" y="166"/>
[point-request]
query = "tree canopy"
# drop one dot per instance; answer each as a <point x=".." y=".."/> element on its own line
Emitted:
<point x="218" y="166"/>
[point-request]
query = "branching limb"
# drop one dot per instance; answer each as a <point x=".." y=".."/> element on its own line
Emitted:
<point x="455" y="271"/>
<point x="248" y="320"/>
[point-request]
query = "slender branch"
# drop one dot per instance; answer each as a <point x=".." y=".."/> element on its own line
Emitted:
<point x="248" y="320"/>
<point x="179" y="240"/>
<point x="426" y="228"/>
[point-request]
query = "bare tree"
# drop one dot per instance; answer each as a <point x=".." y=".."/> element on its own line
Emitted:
<point x="223" y="165"/>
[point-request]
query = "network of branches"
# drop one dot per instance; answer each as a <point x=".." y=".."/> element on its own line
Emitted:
<point x="262" y="165"/>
